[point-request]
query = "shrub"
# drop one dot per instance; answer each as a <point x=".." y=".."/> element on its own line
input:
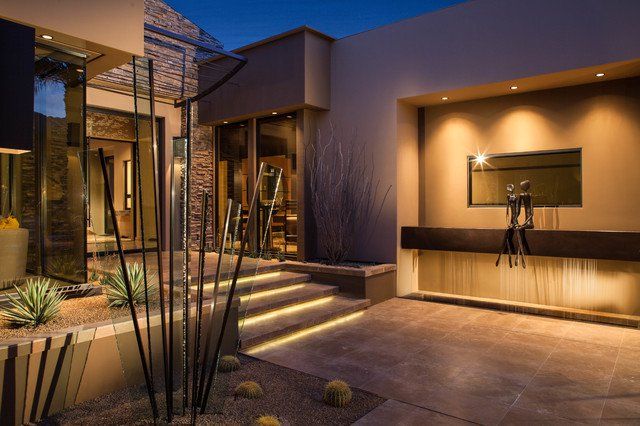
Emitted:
<point x="337" y="393"/>
<point x="34" y="305"/>
<point x="267" y="421"/>
<point x="117" y="290"/>
<point x="228" y="363"/>
<point x="249" y="390"/>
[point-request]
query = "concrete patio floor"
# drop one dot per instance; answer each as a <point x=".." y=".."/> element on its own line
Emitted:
<point x="447" y="364"/>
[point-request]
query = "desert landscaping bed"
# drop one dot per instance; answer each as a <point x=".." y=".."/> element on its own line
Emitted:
<point x="295" y="398"/>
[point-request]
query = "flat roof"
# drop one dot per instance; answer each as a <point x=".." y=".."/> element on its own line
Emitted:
<point x="303" y="28"/>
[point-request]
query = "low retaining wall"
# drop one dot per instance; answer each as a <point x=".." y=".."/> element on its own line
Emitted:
<point x="376" y="282"/>
<point x="42" y="375"/>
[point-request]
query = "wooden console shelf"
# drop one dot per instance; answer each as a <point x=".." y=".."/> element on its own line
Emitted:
<point x="609" y="245"/>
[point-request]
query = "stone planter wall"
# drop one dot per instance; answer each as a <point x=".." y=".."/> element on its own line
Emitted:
<point x="41" y="376"/>
<point x="376" y="283"/>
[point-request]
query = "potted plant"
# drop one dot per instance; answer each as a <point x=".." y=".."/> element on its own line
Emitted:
<point x="13" y="250"/>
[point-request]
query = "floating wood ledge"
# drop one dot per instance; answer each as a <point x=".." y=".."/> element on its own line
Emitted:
<point x="610" y="245"/>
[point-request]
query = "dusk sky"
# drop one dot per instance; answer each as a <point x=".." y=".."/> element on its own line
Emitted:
<point x="240" y="22"/>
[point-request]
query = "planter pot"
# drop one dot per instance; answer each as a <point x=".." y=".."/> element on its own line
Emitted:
<point x="13" y="253"/>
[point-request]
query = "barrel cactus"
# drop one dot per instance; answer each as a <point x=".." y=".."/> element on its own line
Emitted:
<point x="267" y="421"/>
<point x="228" y="363"/>
<point x="337" y="393"/>
<point x="249" y="390"/>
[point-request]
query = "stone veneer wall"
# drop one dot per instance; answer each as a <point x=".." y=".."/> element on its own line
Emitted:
<point x="176" y="77"/>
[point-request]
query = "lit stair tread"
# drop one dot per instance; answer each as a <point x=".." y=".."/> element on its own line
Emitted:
<point x="271" y="281"/>
<point x="257" y="330"/>
<point x="298" y="293"/>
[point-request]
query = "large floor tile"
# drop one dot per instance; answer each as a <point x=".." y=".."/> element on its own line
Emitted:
<point x="393" y="412"/>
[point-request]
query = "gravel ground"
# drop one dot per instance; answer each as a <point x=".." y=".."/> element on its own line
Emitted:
<point x="294" y="397"/>
<point x="73" y="312"/>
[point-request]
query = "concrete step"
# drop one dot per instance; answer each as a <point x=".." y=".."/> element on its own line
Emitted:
<point x="260" y="303"/>
<point x="258" y="283"/>
<point x="272" y="325"/>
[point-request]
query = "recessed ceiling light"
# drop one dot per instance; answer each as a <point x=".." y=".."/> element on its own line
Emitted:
<point x="600" y="74"/>
<point x="274" y="113"/>
<point x="225" y="122"/>
<point x="289" y="116"/>
<point x="47" y="37"/>
<point x="513" y="87"/>
<point x="445" y="98"/>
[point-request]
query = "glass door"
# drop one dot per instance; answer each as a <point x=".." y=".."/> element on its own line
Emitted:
<point x="276" y="146"/>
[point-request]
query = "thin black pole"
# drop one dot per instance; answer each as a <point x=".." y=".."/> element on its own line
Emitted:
<point x="214" y="303"/>
<point x="127" y="283"/>
<point x="171" y="283"/>
<point x="137" y="151"/>
<point x="185" y="261"/>
<point x="232" y="289"/>
<point x="199" y="300"/>
<point x="159" y="216"/>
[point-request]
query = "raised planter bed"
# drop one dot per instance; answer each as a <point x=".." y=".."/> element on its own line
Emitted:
<point x="45" y="373"/>
<point x="374" y="282"/>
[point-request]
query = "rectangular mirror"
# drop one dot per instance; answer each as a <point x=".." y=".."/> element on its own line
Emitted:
<point x="555" y="176"/>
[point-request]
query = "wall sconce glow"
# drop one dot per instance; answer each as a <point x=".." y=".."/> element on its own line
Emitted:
<point x="600" y="74"/>
<point x="513" y="87"/>
<point x="47" y="37"/>
<point x="480" y="159"/>
<point x="445" y="98"/>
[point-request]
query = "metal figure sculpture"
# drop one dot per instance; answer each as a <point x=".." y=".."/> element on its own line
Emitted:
<point x="515" y="205"/>
<point x="512" y="214"/>
<point x="524" y="201"/>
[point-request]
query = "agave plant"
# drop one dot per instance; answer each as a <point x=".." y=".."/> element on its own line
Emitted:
<point x="117" y="290"/>
<point x="34" y="305"/>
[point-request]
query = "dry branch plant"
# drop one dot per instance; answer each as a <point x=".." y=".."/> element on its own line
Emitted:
<point x="344" y="193"/>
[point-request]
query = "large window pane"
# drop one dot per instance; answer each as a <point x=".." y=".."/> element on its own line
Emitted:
<point x="277" y="147"/>
<point x="233" y="170"/>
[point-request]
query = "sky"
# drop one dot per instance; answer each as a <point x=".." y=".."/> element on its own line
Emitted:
<point x="240" y="22"/>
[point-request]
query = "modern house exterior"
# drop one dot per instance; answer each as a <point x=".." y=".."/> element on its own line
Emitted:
<point x="548" y="85"/>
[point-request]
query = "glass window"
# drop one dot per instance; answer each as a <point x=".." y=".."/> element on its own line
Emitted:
<point x="555" y="176"/>
<point x="276" y="146"/>
<point x="232" y="170"/>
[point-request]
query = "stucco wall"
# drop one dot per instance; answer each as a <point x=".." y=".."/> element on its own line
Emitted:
<point x="471" y="44"/>
<point x="603" y="119"/>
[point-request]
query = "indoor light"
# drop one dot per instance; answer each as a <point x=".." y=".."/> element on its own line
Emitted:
<point x="445" y="98"/>
<point x="274" y="113"/>
<point x="289" y="116"/>
<point x="47" y="37"/>
<point x="600" y="74"/>
<point x="513" y="87"/>
<point x="225" y="122"/>
<point x="80" y="70"/>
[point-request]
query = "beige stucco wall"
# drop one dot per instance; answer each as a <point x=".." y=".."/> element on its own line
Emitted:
<point x="114" y="28"/>
<point x="289" y="73"/>
<point x="603" y="119"/>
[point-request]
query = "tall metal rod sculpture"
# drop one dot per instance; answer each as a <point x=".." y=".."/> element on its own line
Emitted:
<point x="232" y="289"/>
<point x="214" y="304"/>
<point x="138" y="151"/>
<point x="158" y="222"/>
<point x="171" y="283"/>
<point x="186" y="260"/>
<point x="199" y="300"/>
<point x="127" y="283"/>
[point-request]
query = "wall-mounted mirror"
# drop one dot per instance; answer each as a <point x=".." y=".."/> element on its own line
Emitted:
<point x="556" y="177"/>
